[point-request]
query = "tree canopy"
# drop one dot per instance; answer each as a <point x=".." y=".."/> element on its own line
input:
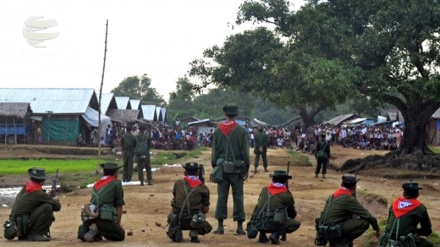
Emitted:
<point x="139" y="88"/>
<point x="311" y="59"/>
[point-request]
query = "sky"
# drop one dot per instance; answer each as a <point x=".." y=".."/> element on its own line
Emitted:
<point x="156" y="37"/>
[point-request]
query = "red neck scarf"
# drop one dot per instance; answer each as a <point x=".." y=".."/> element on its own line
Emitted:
<point x="341" y="191"/>
<point x="103" y="181"/>
<point x="402" y="206"/>
<point x="193" y="181"/>
<point x="227" y="126"/>
<point x="276" y="188"/>
<point x="32" y="186"/>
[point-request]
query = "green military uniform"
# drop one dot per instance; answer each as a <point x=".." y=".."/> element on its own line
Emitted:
<point x="144" y="163"/>
<point x="239" y="145"/>
<point x="411" y="213"/>
<point x="111" y="194"/>
<point x="128" y="143"/>
<point x="260" y="142"/>
<point x="33" y="208"/>
<point x="281" y="200"/>
<point x="230" y="143"/>
<point x="322" y="145"/>
<point x="190" y="197"/>
<point x="340" y="208"/>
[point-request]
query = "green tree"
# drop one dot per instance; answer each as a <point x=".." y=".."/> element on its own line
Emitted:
<point x="391" y="51"/>
<point x="271" y="65"/>
<point x="180" y="104"/>
<point x="139" y="88"/>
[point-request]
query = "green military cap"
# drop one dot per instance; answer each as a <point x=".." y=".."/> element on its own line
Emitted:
<point x="191" y="166"/>
<point x="110" y="166"/>
<point x="280" y="173"/>
<point x="411" y="186"/>
<point x="350" y="179"/>
<point x="231" y="109"/>
<point x="38" y="173"/>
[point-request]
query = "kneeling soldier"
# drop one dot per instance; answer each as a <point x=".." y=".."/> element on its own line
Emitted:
<point x="405" y="215"/>
<point x="190" y="204"/>
<point x="108" y="198"/>
<point x="275" y="212"/>
<point x="33" y="209"/>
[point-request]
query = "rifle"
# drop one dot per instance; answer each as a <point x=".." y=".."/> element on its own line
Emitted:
<point x="284" y="235"/>
<point x="202" y="173"/>
<point x="53" y="192"/>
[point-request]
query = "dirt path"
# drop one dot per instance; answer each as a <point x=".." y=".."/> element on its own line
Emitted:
<point x="148" y="206"/>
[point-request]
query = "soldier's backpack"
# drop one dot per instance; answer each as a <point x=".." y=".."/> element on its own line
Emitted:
<point x="398" y="241"/>
<point x="321" y="154"/>
<point x="142" y="145"/>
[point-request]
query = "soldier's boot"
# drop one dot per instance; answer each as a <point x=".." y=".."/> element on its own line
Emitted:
<point x="316" y="175"/>
<point x="142" y="183"/>
<point x="90" y="235"/>
<point x="193" y="234"/>
<point x="150" y="182"/>
<point x="255" y="170"/>
<point x="265" y="169"/>
<point x="240" y="230"/>
<point x="263" y="238"/>
<point x="220" y="230"/>
<point x="275" y="237"/>
<point x="323" y="176"/>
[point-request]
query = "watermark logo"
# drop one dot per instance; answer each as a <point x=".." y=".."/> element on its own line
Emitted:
<point x="32" y="27"/>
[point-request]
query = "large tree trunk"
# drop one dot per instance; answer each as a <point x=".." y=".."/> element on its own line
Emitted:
<point x="415" y="136"/>
<point x="308" y="118"/>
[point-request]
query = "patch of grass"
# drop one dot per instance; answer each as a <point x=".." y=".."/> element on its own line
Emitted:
<point x="299" y="159"/>
<point x="435" y="149"/>
<point x="170" y="157"/>
<point x="372" y="197"/>
<point x="20" y="167"/>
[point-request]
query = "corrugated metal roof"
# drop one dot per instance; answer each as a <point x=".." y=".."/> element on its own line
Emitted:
<point x="339" y="119"/>
<point x="106" y="98"/>
<point x="148" y="112"/>
<point x="135" y="103"/>
<point x="122" y="102"/>
<point x="14" y="109"/>
<point x="123" y="116"/>
<point x="163" y="111"/>
<point x="57" y="100"/>
<point x="436" y="114"/>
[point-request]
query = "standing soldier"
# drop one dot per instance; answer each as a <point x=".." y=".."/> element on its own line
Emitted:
<point x="405" y="215"/>
<point x="338" y="213"/>
<point x="230" y="151"/>
<point x="33" y="209"/>
<point x="322" y="155"/>
<point x="260" y="149"/>
<point x="142" y="152"/>
<point x="275" y="210"/>
<point x="128" y="142"/>
<point x="190" y="204"/>
<point x="108" y="198"/>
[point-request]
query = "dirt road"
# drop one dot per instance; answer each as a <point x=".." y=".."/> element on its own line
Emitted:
<point x="148" y="206"/>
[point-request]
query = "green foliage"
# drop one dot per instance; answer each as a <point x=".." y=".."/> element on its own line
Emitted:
<point x="139" y="88"/>
<point x="299" y="159"/>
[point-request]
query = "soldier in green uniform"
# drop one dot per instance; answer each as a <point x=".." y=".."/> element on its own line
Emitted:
<point x="410" y="212"/>
<point x="342" y="208"/>
<point x="33" y="208"/>
<point x="190" y="203"/>
<point x="322" y="155"/>
<point x="108" y="197"/>
<point x="280" y="209"/>
<point x="230" y="151"/>
<point x="142" y="152"/>
<point x="128" y="143"/>
<point x="260" y="149"/>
